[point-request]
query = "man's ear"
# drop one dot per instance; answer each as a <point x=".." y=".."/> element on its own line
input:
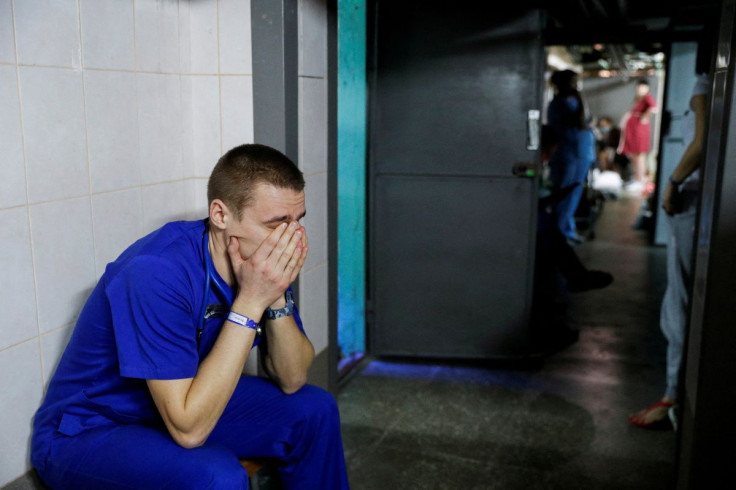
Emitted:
<point x="220" y="215"/>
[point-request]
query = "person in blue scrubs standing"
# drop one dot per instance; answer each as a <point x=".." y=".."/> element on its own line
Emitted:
<point x="149" y="392"/>
<point x="575" y="152"/>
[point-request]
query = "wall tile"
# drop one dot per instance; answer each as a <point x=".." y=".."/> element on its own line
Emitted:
<point x="237" y="111"/>
<point x="201" y="204"/>
<point x="7" y="44"/>
<point x="117" y="221"/>
<point x="53" y="123"/>
<point x="20" y="377"/>
<point x="52" y="347"/>
<point x="17" y="295"/>
<point x="313" y="38"/>
<point x="12" y="170"/>
<point x="312" y="125"/>
<point x="235" y="41"/>
<point x="48" y="39"/>
<point x="108" y="34"/>
<point x="190" y="204"/>
<point x="185" y="35"/>
<point x="157" y="36"/>
<point x="62" y="251"/>
<point x="160" y="128"/>
<point x="199" y="44"/>
<point x="315" y="222"/>
<point x="201" y="119"/>
<point x="112" y="130"/>
<point x="313" y="305"/>
<point x="166" y="202"/>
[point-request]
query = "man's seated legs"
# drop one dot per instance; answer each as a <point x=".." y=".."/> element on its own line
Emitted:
<point x="301" y="431"/>
<point x="133" y="456"/>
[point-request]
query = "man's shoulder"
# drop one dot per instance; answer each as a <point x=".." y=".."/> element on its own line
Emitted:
<point x="174" y="242"/>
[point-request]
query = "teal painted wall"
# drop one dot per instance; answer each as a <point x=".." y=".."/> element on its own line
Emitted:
<point x="351" y="151"/>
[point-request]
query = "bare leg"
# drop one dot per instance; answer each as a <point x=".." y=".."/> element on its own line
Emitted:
<point x="639" y="161"/>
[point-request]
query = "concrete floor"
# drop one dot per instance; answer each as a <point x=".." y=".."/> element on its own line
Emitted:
<point x="558" y="423"/>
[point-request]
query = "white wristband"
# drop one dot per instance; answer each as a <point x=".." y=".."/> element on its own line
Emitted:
<point x="242" y="320"/>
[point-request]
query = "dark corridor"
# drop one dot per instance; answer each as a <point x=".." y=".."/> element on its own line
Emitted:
<point x="560" y="423"/>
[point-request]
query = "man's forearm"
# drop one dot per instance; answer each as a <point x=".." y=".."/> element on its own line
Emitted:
<point x="191" y="407"/>
<point x="290" y="354"/>
<point x="689" y="163"/>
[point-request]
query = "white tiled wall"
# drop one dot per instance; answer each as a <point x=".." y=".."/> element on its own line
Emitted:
<point x="112" y="114"/>
<point x="313" y="162"/>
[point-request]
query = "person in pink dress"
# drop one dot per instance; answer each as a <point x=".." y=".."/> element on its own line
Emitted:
<point x="636" y="141"/>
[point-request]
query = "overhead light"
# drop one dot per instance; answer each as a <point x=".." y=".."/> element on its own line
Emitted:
<point x="560" y="59"/>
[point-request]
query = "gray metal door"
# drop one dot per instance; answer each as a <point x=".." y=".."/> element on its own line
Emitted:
<point x="452" y="232"/>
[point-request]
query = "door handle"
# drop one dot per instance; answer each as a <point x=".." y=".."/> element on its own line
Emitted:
<point x="524" y="169"/>
<point x="532" y="130"/>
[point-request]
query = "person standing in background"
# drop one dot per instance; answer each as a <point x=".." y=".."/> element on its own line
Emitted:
<point x="575" y="152"/>
<point x="637" y="135"/>
<point x="680" y="201"/>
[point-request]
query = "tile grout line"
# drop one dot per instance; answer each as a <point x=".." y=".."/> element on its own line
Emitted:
<point x="86" y="139"/>
<point x="29" y="223"/>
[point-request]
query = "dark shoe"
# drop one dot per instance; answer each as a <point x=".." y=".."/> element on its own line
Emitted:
<point x="589" y="280"/>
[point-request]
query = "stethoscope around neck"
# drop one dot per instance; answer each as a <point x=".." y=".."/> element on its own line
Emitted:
<point x="212" y="278"/>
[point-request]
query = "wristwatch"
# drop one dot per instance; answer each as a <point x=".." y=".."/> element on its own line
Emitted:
<point x="287" y="310"/>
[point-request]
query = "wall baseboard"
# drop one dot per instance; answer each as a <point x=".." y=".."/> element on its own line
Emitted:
<point x="28" y="481"/>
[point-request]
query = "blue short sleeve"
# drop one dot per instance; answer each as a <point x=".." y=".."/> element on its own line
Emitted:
<point x="150" y="300"/>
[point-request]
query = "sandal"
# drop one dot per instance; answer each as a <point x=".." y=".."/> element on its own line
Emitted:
<point x="660" y="424"/>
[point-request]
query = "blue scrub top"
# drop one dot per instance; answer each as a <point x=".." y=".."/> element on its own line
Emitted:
<point x="576" y="148"/>
<point x="140" y="322"/>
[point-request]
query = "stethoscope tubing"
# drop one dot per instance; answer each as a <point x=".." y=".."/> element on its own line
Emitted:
<point x="209" y="279"/>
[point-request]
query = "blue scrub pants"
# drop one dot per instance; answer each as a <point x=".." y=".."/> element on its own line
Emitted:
<point x="301" y="430"/>
<point x="565" y="211"/>
<point x="569" y="166"/>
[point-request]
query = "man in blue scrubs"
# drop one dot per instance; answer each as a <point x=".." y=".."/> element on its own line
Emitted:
<point x="149" y="392"/>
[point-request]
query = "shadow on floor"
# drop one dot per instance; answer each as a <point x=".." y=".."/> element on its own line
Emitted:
<point x="554" y="423"/>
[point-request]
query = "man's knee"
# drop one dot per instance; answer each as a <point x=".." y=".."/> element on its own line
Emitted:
<point x="314" y="402"/>
<point x="212" y="467"/>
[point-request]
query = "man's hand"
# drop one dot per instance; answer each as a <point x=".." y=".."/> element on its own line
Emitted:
<point x="671" y="200"/>
<point x="265" y="275"/>
<point x="281" y="300"/>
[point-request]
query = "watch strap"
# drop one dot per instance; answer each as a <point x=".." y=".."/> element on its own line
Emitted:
<point x="287" y="310"/>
